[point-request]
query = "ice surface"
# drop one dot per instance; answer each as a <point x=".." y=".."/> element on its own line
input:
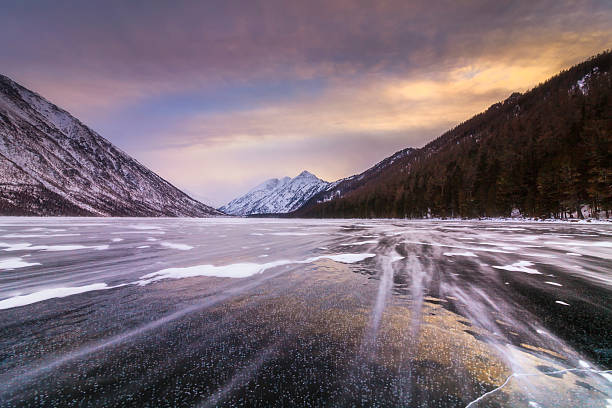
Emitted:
<point x="268" y="276"/>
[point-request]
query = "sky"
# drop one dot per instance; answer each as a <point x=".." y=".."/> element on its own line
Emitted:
<point x="218" y="96"/>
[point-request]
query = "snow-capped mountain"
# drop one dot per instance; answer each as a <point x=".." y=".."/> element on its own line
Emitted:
<point x="276" y="196"/>
<point x="52" y="164"/>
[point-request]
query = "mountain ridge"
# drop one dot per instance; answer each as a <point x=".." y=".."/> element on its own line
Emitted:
<point x="544" y="153"/>
<point x="53" y="164"/>
<point x="276" y="196"/>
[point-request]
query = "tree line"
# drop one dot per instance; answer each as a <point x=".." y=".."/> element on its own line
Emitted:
<point x="546" y="153"/>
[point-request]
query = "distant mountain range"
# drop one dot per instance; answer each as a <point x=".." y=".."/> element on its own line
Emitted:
<point x="52" y="164"/>
<point x="277" y="196"/>
<point x="545" y="153"/>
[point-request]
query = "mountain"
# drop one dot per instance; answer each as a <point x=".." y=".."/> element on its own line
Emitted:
<point x="545" y="153"/>
<point x="277" y="196"/>
<point x="343" y="186"/>
<point x="52" y="164"/>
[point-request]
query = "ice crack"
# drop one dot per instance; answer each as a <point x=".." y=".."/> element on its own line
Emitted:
<point x="532" y="375"/>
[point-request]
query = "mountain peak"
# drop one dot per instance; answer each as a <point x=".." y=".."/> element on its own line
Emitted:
<point x="277" y="196"/>
<point x="306" y="174"/>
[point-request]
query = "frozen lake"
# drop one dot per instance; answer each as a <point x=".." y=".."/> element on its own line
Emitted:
<point x="265" y="312"/>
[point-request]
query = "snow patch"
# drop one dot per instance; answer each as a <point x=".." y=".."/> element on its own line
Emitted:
<point x="45" y="294"/>
<point x="51" y="248"/>
<point x="241" y="270"/>
<point x="14" y="263"/>
<point x="520" y="266"/>
<point x="180" y="247"/>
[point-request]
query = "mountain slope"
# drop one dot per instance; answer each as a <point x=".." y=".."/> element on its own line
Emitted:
<point x="547" y="152"/>
<point x="52" y="164"/>
<point x="341" y="187"/>
<point x="277" y="196"/>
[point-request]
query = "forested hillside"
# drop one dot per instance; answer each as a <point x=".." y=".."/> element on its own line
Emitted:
<point x="547" y="153"/>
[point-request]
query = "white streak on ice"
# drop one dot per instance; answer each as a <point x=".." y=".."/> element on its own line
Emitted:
<point x="396" y="258"/>
<point x="561" y="302"/>
<point x="38" y="235"/>
<point x="361" y="243"/>
<point x="520" y="266"/>
<point x="45" y="294"/>
<point x="467" y="253"/>
<point x="241" y="270"/>
<point x="458" y="247"/>
<point x="144" y="227"/>
<point x="181" y="247"/>
<point x="296" y="234"/>
<point x="51" y="248"/>
<point x="139" y="232"/>
<point x="14" y="263"/>
<point x="553" y="283"/>
<point x="603" y="244"/>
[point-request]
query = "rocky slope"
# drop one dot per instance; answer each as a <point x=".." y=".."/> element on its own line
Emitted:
<point x="52" y="164"/>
